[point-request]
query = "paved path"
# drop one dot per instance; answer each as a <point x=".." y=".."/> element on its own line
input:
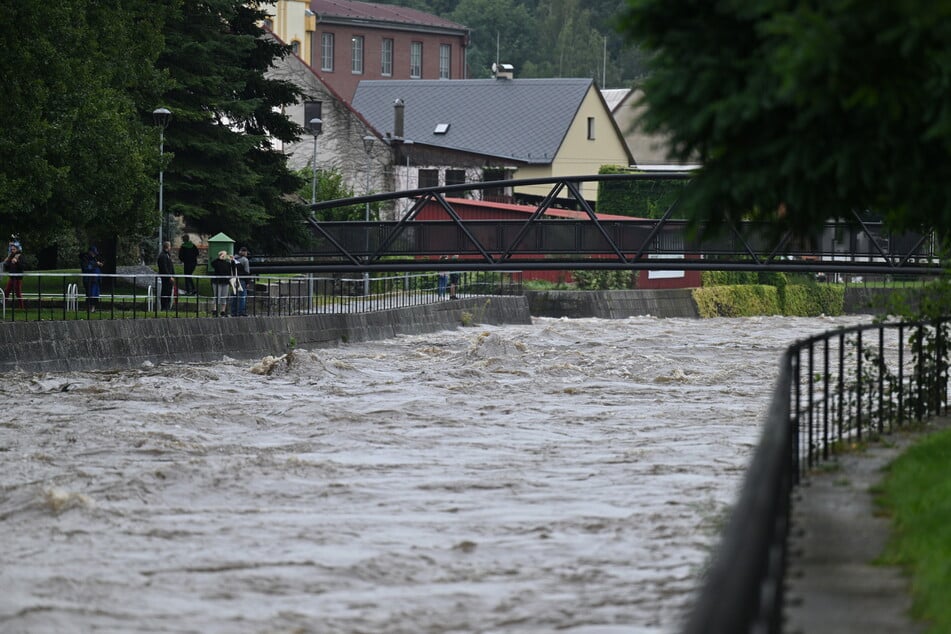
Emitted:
<point x="832" y="584"/>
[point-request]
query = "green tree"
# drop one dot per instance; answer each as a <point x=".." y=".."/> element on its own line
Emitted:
<point x="502" y="26"/>
<point x="802" y="112"/>
<point x="224" y="174"/>
<point x="77" y="159"/>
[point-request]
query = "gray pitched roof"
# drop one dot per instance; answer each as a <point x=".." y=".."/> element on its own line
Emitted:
<point x="522" y="120"/>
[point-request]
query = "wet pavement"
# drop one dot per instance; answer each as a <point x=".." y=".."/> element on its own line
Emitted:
<point x="837" y="533"/>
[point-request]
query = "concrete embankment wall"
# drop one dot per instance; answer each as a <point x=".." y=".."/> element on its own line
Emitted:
<point x="612" y="304"/>
<point x="103" y="344"/>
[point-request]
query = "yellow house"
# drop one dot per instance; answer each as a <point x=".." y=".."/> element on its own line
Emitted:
<point x="294" y="23"/>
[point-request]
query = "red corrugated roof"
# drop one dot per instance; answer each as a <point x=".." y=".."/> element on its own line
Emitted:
<point x="529" y="209"/>
<point x="381" y="12"/>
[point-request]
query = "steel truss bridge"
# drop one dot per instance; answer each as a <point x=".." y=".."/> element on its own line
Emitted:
<point x="551" y="238"/>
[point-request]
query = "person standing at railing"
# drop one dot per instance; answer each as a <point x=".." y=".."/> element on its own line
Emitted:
<point x="443" y="281"/>
<point x="224" y="270"/>
<point x="13" y="266"/>
<point x="239" y="302"/>
<point x="188" y="254"/>
<point x="167" y="271"/>
<point x="90" y="264"/>
<point x="453" y="280"/>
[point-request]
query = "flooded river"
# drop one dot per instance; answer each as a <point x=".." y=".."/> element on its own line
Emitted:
<point x="570" y="475"/>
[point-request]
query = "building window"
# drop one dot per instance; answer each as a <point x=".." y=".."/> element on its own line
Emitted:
<point x="312" y="110"/>
<point x="416" y="60"/>
<point x="591" y="128"/>
<point x="428" y="178"/>
<point x="445" y="61"/>
<point x="356" y="55"/>
<point x="295" y="47"/>
<point x="455" y="177"/>
<point x="327" y="51"/>
<point x="386" y="57"/>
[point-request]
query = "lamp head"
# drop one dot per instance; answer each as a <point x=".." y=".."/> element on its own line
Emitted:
<point x="316" y="126"/>
<point x="161" y="117"/>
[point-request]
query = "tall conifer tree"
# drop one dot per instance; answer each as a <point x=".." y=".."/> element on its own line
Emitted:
<point x="224" y="173"/>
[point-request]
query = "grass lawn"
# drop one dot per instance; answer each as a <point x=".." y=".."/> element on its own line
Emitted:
<point x="917" y="495"/>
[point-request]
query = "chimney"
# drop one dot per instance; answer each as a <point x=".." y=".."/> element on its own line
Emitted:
<point x="398" y="118"/>
<point x="503" y="71"/>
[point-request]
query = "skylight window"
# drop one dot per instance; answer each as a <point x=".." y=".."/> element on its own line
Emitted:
<point x="441" y="128"/>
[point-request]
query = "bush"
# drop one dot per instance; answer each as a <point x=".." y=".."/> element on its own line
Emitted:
<point x="737" y="301"/>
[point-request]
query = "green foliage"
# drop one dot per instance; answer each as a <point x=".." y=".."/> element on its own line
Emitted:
<point x="330" y="186"/>
<point x="802" y="112"/>
<point x="737" y="301"/>
<point x="728" y="278"/>
<point x="812" y="300"/>
<point x="78" y="159"/>
<point x="543" y="38"/>
<point x="917" y="495"/>
<point x="602" y="280"/>
<point x="641" y="198"/>
<point x="725" y="295"/>
<point x="225" y="175"/>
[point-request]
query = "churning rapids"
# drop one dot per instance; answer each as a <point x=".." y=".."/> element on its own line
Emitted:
<point x="571" y="475"/>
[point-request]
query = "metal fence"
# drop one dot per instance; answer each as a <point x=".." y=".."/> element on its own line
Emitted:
<point x="63" y="296"/>
<point x="834" y="390"/>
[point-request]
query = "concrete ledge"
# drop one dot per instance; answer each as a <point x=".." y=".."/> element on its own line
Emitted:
<point x="612" y="304"/>
<point x="66" y="346"/>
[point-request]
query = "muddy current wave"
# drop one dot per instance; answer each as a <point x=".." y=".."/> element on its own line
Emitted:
<point x="570" y="475"/>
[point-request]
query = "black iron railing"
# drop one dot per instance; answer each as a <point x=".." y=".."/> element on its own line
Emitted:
<point x="834" y="390"/>
<point x="63" y="296"/>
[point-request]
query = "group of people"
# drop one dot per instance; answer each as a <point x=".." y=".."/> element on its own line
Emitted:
<point x="448" y="280"/>
<point x="230" y="280"/>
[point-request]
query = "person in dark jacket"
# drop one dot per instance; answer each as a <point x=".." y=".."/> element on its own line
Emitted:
<point x="167" y="272"/>
<point x="188" y="254"/>
<point x="91" y="264"/>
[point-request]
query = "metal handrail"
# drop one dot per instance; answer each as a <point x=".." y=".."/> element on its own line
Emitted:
<point x="833" y="388"/>
<point x="267" y="295"/>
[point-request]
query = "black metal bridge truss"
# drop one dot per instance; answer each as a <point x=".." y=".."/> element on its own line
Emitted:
<point x="545" y="242"/>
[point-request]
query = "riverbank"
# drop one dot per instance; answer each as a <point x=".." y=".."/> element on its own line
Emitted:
<point x="105" y="344"/>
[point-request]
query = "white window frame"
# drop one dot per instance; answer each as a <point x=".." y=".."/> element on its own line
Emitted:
<point x="445" y="61"/>
<point x="386" y="57"/>
<point x="327" y="52"/>
<point x="356" y="55"/>
<point x="416" y="60"/>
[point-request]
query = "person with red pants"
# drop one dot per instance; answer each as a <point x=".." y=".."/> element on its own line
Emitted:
<point x="13" y="266"/>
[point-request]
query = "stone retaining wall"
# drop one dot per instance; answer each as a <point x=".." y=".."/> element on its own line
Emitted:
<point x="63" y="346"/>
<point x="612" y="304"/>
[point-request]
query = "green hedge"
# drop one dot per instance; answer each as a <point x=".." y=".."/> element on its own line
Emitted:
<point x="813" y="300"/>
<point x="639" y="198"/>
<point x="747" y="300"/>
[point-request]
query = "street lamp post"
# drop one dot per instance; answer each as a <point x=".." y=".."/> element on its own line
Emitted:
<point x="316" y="127"/>
<point x="368" y="148"/>
<point x="161" y="117"/>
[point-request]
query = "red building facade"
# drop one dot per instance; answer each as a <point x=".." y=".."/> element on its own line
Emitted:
<point x="355" y="41"/>
<point x="485" y="210"/>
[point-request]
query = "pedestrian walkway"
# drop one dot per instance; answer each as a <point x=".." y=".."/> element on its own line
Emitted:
<point x="832" y="582"/>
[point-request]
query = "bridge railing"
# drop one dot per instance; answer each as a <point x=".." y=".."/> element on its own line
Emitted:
<point x="67" y="296"/>
<point x="833" y="390"/>
<point x="560" y="228"/>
